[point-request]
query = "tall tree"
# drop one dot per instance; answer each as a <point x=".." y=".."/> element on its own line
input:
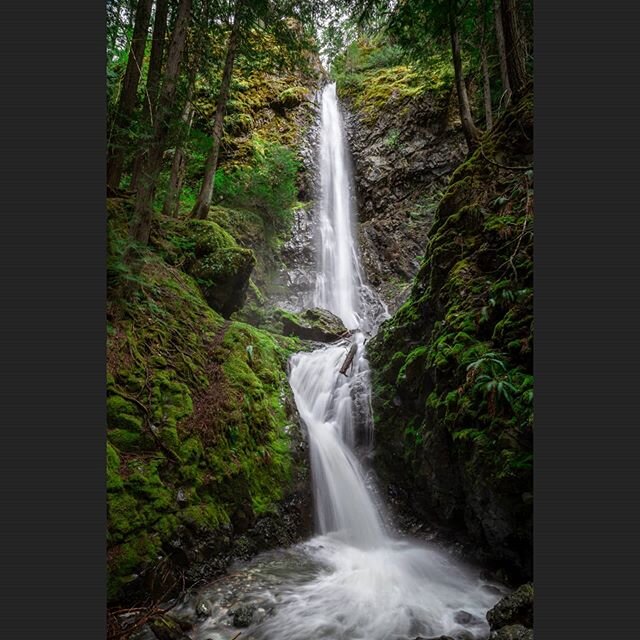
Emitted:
<point x="203" y="201"/>
<point x="471" y="132"/>
<point x="157" y="55"/>
<point x="179" y="164"/>
<point x="417" y="24"/>
<point x="515" y="46"/>
<point x="128" y="94"/>
<point x="154" y="74"/>
<point x="484" y="65"/>
<point x="502" y="52"/>
<point x="143" y="212"/>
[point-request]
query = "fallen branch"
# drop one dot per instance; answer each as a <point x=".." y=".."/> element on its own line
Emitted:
<point x="349" y="359"/>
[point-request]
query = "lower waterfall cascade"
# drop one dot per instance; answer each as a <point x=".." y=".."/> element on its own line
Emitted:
<point x="353" y="580"/>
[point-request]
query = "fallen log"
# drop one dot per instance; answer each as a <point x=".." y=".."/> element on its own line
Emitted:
<point x="349" y="359"/>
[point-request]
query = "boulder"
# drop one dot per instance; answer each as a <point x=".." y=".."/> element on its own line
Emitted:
<point x="512" y="632"/>
<point x="221" y="267"/>
<point x="203" y="610"/>
<point x="166" y="628"/>
<point x="243" y="616"/>
<point x="514" y="609"/>
<point x="313" y="324"/>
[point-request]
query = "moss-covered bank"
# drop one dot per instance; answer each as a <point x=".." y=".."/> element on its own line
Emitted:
<point x="452" y="369"/>
<point x="201" y="437"/>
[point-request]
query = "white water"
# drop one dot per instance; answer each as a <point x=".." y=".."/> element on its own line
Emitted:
<point x="373" y="587"/>
<point x="352" y="581"/>
<point x="338" y="281"/>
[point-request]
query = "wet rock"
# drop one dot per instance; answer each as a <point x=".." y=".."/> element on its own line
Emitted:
<point x="184" y="619"/>
<point x="464" y="617"/>
<point x="514" y="609"/>
<point x="464" y="635"/>
<point x="401" y="159"/>
<point x="243" y="616"/>
<point x="512" y="632"/>
<point x="313" y="324"/>
<point x="293" y="287"/>
<point x="166" y="628"/>
<point x="203" y="610"/>
<point x="260" y="615"/>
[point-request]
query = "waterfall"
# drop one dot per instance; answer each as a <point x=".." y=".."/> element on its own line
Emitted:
<point x="377" y="587"/>
<point x="352" y="581"/>
<point x="338" y="280"/>
<point x="325" y="402"/>
<point x="326" y="399"/>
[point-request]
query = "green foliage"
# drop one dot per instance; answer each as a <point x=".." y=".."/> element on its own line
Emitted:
<point x="197" y="425"/>
<point x="456" y="358"/>
<point x="392" y="139"/>
<point x="267" y="185"/>
<point x="373" y="73"/>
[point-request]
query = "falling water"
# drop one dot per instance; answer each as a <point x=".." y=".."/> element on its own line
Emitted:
<point x="338" y="280"/>
<point x="374" y="586"/>
<point x="333" y="406"/>
<point x="352" y="581"/>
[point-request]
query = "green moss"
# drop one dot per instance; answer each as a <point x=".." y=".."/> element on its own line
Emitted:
<point x="171" y="399"/>
<point x="413" y="365"/>
<point x="467" y="325"/>
<point x="123" y="414"/>
<point x="293" y="96"/>
<point x="171" y="462"/>
<point x="377" y="76"/>
<point x="126" y="441"/>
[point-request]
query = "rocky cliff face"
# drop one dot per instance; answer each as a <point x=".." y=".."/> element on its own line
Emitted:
<point x="452" y="369"/>
<point x="403" y="154"/>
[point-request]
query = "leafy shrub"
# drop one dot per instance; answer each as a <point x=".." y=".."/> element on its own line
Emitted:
<point x="267" y="185"/>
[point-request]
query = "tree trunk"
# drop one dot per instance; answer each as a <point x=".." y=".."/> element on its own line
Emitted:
<point x="128" y="93"/>
<point x="178" y="168"/>
<point x="349" y="359"/>
<point x="143" y="213"/>
<point x="203" y="202"/>
<point x="486" y="80"/>
<point x="502" y="54"/>
<point x="471" y="132"/>
<point x="153" y="78"/>
<point x="486" y="86"/>
<point x="157" y="54"/>
<point x="515" y="47"/>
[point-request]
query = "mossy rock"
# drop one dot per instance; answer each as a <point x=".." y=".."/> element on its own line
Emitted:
<point x="220" y="266"/>
<point x="290" y="98"/>
<point x="516" y="608"/>
<point x="312" y="324"/>
<point x="452" y="370"/>
<point x="166" y="628"/>
<point x="512" y="632"/>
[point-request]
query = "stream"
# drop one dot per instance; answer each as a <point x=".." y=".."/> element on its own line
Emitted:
<point x="354" y="580"/>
